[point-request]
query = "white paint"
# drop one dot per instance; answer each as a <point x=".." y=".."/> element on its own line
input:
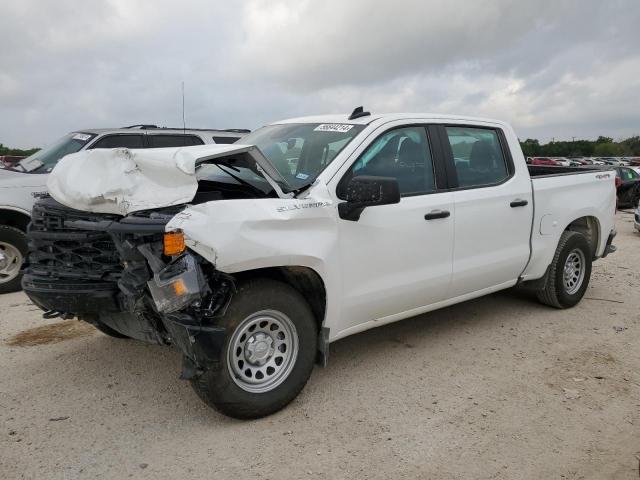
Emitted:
<point x="17" y="190"/>
<point x="121" y="180"/>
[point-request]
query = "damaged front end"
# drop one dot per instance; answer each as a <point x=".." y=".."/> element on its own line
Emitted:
<point x="117" y="271"/>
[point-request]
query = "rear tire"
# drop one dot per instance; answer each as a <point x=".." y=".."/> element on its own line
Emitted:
<point x="569" y="272"/>
<point x="13" y="251"/>
<point x="268" y="355"/>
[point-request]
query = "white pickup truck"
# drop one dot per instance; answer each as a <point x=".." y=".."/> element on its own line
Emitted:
<point x="251" y="259"/>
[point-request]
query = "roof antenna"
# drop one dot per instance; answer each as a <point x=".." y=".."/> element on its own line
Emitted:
<point x="358" y="112"/>
<point x="184" y="123"/>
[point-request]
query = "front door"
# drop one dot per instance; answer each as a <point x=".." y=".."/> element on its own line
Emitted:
<point x="397" y="258"/>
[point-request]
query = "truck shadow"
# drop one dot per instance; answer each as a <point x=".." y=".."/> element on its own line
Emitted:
<point x="136" y="374"/>
<point x="421" y="330"/>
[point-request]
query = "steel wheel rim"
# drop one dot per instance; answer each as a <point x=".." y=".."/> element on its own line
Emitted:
<point x="262" y="351"/>
<point x="573" y="272"/>
<point x="10" y="262"/>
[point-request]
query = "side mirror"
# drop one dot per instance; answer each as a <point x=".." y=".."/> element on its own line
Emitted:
<point x="368" y="191"/>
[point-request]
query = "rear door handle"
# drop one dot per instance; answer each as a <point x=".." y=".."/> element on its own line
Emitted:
<point x="518" y="202"/>
<point x="434" y="214"/>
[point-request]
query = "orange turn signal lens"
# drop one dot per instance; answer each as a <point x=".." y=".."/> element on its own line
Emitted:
<point x="179" y="288"/>
<point x="174" y="243"/>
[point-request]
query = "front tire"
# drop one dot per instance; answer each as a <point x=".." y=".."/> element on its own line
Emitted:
<point x="569" y="273"/>
<point x="13" y="250"/>
<point x="268" y="355"/>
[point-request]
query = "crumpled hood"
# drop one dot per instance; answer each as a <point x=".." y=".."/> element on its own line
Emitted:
<point x="123" y="181"/>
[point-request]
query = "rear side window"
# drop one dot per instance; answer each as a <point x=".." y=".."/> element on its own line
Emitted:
<point x="164" y="141"/>
<point x="120" y="141"/>
<point x="627" y="174"/>
<point x="477" y="155"/>
<point x="403" y="154"/>
<point x="225" y="139"/>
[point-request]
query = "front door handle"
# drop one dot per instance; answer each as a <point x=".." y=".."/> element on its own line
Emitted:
<point x="518" y="202"/>
<point x="434" y="214"/>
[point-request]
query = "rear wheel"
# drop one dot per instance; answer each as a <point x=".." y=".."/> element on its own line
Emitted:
<point x="569" y="273"/>
<point x="268" y="354"/>
<point x="13" y="250"/>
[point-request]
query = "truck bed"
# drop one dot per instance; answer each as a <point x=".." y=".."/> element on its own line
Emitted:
<point x="562" y="194"/>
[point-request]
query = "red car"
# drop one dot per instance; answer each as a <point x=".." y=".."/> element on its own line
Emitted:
<point x="9" y="160"/>
<point x="543" y="161"/>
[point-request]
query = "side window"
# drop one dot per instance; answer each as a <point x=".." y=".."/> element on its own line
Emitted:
<point x="120" y="141"/>
<point x="477" y="155"/>
<point x="164" y="141"/>
<point x="403" y="154"/>
<point x="628" y="174"/>
<point x="225" y="139"/>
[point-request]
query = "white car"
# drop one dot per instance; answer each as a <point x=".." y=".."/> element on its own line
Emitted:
<point x="563" y="162"/>
<point x="251" y="269"/>
<point x="21" y="184"/>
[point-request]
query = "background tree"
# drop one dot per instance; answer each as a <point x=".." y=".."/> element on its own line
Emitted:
<point x="607" y="150"/>
<point x="531" y="147"/>
<point x="601" y="147"/>
<point x="16" y="151"/>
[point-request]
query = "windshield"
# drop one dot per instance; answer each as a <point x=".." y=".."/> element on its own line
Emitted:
<point x="44" y="160"/>
<point x="300" y="152"/>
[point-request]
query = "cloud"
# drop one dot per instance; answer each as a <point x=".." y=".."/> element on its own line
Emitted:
<point x="552" y="68"/>
<point x="307" y="44"/>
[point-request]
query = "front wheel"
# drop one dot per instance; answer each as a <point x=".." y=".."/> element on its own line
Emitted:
<point x="268" y="354"/>
<point x="569" y="272"/>
<point x="13" y="249"/>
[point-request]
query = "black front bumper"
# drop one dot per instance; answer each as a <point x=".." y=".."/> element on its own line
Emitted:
<point x="70" y="271"/>
<point x="71" y="297"/>
<point x="200" y="344"/>
<point x="100" y="268"/>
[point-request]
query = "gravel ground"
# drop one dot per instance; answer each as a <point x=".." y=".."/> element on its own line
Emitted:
<point x="500" y="387"/>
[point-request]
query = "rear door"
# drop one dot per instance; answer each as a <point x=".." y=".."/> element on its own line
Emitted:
<point x="493" y="208"/>
<point x="397" y="258"/>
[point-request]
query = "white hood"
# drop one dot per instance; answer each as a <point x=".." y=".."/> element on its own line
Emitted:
<point x="123" y="181"/>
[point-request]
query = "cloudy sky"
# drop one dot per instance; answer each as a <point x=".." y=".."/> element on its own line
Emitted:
<point x="556" y="68"/>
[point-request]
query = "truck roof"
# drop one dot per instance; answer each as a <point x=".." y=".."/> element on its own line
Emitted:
<point x="385" y="117"/>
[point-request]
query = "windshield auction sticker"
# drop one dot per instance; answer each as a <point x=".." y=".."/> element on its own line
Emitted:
<point x="333" y="127"/>
<point x="83" y="137"/>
